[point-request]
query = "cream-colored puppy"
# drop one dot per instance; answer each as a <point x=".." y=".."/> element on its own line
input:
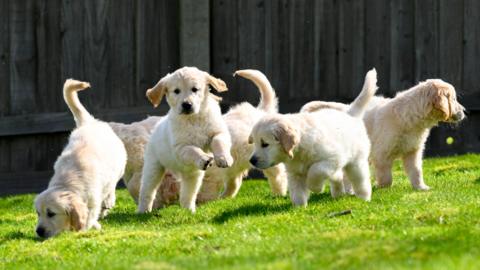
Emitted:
<point x="318" y="146"/>
<point x="240" y="121"/>
<point x="135" y="137"/>
<point x="82" y="188"/>
<point x="192" y="126"/>
<point x="399" y="127"/>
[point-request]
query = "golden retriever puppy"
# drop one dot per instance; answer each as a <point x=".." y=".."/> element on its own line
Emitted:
<point x="135" y="137"/>
<point x="192" y="126"/>
<point x="82" y="188"/>
<point x="318" y="146"/>
<point x="399" y="127"/>
<point x="240" y="121"/>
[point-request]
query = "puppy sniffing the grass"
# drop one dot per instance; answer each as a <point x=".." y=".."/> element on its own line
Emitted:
<point x="318" y="146"/>
<point x="82" y="188"/>
<point x="399" y="127"/>
<point x="193" y="125"/>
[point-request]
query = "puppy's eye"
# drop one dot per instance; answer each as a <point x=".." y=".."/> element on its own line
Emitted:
<point x="194" y="89"/>
<point x="50" y="214"/>
<point x="264" y="144"/>
<point x="176" y="91"/>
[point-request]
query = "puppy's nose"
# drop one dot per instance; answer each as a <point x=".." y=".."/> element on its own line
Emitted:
<point x="458" y="116"/>
<point x="187" y="106"/>
<point x="40" y="231"/>
<point x="253" y="160"/>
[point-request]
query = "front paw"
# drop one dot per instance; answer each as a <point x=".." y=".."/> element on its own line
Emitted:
<point x="421" y="187"/>
<point x="96" y="226"/>
<point x="204" y="162"/>
<point x="223" y="161"/>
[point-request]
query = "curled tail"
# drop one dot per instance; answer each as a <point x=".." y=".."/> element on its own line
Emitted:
<point x="70" y="89"/>
<point x="359" y="105"/>
<point x="268" y="98"/>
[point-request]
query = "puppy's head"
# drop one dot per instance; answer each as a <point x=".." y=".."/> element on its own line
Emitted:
<point x="186" y="90"/>
<point x="443" y="98"/>
<point x="275" y="139"/>
<point x="59" y="211"/>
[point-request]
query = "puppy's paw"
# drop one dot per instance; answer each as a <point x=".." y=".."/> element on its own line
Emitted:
<point x="421" y="187"/>
<point x="223" y="161"/>
<point x="96" y="226"/>
<point x="205" y="162"/>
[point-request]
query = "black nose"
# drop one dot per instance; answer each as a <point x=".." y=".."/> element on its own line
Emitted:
<point x="187" y="106"/>
<point x="40" y="231"/>
<point x="253" y="160"/>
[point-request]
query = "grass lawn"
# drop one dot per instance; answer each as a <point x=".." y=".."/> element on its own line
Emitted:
<point x="398" y="229"/>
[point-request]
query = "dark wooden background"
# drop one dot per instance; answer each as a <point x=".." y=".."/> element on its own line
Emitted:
<point x="309" y="50"/>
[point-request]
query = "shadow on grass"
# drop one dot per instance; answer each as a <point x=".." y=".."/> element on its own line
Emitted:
<point x="319" y="197"/>
<point x="130" y="217"/>
<point x="477" y="181"/>
<point x="18" y="236"/>
<point x="257" y="209"/>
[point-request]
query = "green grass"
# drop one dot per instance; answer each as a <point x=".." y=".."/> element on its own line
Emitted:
<point x="398" y="229"/>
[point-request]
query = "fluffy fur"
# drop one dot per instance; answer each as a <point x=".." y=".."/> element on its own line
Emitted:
<point x="399" y="127"/>
<point x="86" y="173"/>
<point x="135" y="137"/>
<point x="318" y="146"/>
<point x="192" y="126"/>
<point x="240" y="121"/>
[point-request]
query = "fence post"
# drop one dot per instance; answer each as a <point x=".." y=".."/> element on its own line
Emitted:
<point x="195" y="33"/>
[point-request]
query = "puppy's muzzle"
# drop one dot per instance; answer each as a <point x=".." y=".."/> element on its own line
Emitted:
<point x="459" y="116"/>
<point x="254" y="160"/>
<point x="41" y="232"/>
<point x="187" y="108"/>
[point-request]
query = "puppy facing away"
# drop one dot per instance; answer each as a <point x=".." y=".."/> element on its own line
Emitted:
<point x="399" y="127"/>
<point x="180" y="140"/>
<point x="135" y="137"/>
<point x="240" y="121"/>
<point x="82" y="188"/>
<point x="318" y="146"/>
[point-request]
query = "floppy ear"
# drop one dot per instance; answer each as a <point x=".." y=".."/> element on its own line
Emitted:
<point x="156" y="93"/>
<point x="287" y="136"/>
<point x="442" y="101"/>
<point x="216" y="83"/>
<point x="78" y="214"/>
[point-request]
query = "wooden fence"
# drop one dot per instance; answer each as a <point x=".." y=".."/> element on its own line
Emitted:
<point x="309" y="50"/>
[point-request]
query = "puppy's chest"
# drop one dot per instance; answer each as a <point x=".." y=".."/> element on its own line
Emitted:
<point x="408" y="142"/>
<point x="198" y="135"/>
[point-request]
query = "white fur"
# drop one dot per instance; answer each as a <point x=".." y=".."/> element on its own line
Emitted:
<point x="399" y="127"/>
<point x="180" y="140"/>
<point x="318" y="146"/>
<point x="86" y="173"/>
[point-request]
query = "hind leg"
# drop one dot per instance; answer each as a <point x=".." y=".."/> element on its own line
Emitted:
<point x="347" y="185"/>
<point x="189" y="186"/>
<point x="383" y="173"/>
<point x="359" y="175"/>
<point x="152" y="176"/>
<point x="319" y="172"/>
<point x="277" y="179"/>
<point x="133" y="186"/>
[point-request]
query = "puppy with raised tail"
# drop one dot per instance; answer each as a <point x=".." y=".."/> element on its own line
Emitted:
<point x="182" y="139"/>
<point x="82" y="188"/>
<point x="399" y="127"/>
<point x="240" y="121"/>
<point x="318" y="146"/>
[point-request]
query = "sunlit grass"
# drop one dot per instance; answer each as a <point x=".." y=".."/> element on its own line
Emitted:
<point x="398" y="229"/>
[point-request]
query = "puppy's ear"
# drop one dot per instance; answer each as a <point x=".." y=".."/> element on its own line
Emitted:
<point x="216" y="83"/>
<point x="442" y="100"/>
<point x="78" y="214"/>
<point x="156" y="93"/>
<point x="287" y="136"/>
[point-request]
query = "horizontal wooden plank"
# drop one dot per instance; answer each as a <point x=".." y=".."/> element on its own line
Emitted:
<point x="61" y="122"/>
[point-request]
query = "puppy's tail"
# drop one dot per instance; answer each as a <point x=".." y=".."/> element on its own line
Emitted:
<point x="70" y="89"/>
<point x="359" y="105"/>
<point x="268" y="98"/>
